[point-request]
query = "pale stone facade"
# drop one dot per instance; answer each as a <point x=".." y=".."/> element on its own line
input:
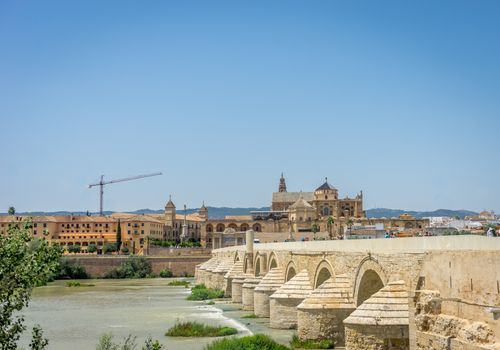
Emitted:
<point x="409" y="293"/>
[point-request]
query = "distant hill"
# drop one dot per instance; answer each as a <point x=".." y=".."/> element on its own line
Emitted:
<point x="389" y="213"/>
<point x="221" y="212"/>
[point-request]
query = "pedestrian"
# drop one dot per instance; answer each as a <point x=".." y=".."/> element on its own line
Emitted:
<point x="490" y="232"/>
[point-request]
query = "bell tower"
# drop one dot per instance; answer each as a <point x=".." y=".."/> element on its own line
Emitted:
<point x="170" y="212"/>
<point x="282" y="187"/>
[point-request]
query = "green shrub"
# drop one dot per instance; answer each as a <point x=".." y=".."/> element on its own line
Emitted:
<point x="249" y="316"/>
<point x="311" y="344"/>
<point x="70" y="270"/>
<point x="133" y="267"/>
<point x="125" y="250"/>
<point x="109" y="247"/>
<point x="166" y="273"/>
<point x="92" y="248"/>
<point x="201" y="292"/>
<point x="253" y="342"/>
<point x="74" y="249"/>
<point x="78" y="284"/>
<point x="196" y="329"/>
<point x="178" y="283"/>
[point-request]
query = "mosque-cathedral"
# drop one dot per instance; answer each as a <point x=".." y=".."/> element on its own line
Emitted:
<point x="299" y="213"/>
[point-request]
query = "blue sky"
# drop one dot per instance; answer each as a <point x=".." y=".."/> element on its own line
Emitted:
<point x="400" y="99"/>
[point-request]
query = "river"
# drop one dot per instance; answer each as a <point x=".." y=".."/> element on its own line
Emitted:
<point x="75" y="317"/>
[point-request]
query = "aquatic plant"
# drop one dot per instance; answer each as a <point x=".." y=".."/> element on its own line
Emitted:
<point x="196" y="329"/>
<point x="178" y="283"/>
<point x="296" y="343"/>
<point x="253" y="342"/>
<point x="201" y="292"/>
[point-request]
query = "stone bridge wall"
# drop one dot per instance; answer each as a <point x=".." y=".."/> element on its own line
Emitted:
<point x="453" y="281"/>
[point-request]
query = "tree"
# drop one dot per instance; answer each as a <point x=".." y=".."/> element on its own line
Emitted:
<point x="23" y="266"/>
<point x="74" y="249"/>
<point x="329" y="223"/>
<point x="92" y="248"/>
<point x="109" y="247"/>
<point x="349" y="224"/>
<point x="12" y="211"/>
<point x="315" y="228"/>
<point x="118" y="237"/>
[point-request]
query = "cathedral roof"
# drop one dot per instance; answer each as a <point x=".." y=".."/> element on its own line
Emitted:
<point x="325" y="186"/>
<point x="170" y="204"/>
<point x="290" y="197"/>
<point x="301" y="203"/>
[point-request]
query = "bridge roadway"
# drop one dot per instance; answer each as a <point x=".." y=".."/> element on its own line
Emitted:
<point x="400" y="293"/>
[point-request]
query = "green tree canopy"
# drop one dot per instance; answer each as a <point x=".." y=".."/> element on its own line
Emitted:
<point x="12" y="211"/>
<point x="24" y="264"/>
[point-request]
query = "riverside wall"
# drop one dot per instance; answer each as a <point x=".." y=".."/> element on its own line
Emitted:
<point x="180" y="265"/>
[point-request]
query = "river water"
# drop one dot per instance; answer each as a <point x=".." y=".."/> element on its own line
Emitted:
<point x="75" y="317"/>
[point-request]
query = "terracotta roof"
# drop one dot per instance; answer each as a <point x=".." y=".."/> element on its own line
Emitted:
<point x="389" y="306"/>
<point x="238" y="217"/>
<point x="299" y="287"/>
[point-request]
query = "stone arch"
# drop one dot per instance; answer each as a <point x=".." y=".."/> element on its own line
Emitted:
<point x="209" y="228"/>
<point x="273" y="261"/>
<point x="233" y="226"/>
<point x="257" y="227"/>
<point x="323" y="272"/>
<point x="291" y="271"/>
<point x="220" y="228"/>
<point x="409" y="225"/>
<point x="236" y="257"/>
<point x="370" y="278"/>
<point x="244" y="227"/>
<point x="260" y="264"/>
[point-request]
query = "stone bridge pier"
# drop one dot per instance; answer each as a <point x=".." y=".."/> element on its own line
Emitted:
<point x="420" y="293"/>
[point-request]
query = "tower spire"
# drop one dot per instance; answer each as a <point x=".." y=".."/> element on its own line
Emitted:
<point x="282" y="186"/>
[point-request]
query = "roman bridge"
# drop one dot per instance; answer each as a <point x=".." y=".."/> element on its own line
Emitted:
<point x="404" y="293"/>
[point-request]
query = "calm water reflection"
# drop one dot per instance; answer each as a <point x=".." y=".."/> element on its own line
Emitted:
<point x="74" y="318"/>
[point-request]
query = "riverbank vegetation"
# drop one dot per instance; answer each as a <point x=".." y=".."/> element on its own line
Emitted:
<point x="196" y="329"/>
<point x="178" y="283"/>
<point x="201" y="292"/>
<point x="78" y="284"/>
<point x="70" y="270"/>
<point x="166" y="273"/>
<point x="26" y="262"/>
<point x="249" y="316"/>
<point x="106" y="342"/>
<point x="253" y="342"/>
<point x="191" y="243"/>
<point x="133" y="267"/>
<point x="296" y="343"/>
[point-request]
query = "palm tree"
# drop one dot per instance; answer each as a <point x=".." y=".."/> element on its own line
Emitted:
<point x="349" y="224"/>
<point x="12" y="211"/>
<point x="329" y="223"/>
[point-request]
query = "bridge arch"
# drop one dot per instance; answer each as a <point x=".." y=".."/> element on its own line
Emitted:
<point x="236" y="257"/>
<point x="273" y="261"/>
<point x="324" y="271"/>
<point x="370" y="278"/>
<point x="260" y="265"/>
<point x="291" y="271"/>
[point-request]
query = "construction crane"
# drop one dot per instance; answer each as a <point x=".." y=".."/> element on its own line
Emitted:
<point x="102" y="183"/>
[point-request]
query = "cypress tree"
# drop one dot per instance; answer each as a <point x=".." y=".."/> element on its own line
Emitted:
<point x="118" y="237"/>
